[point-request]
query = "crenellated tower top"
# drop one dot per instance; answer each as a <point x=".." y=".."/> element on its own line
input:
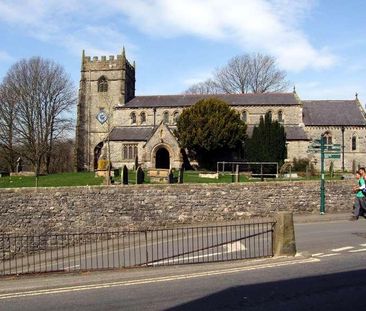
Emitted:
<point x="106" y="63"/>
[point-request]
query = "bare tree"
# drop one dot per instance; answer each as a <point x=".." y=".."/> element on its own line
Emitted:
<point x="206" y="87"/>
<point x="248" y="73"/>
<point x="7" y="135"/>
<point x="62" y="157"/>
<point x="43" y="93"/>
<point x="235" y="76"/>
<point x="265" y="76"/>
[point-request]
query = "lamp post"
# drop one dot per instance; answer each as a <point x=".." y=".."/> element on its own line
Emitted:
<point x="342" y="129"/>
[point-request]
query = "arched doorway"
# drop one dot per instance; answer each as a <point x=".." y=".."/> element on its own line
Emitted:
<point x="97" y="152"/>
<point x="162" y="158"/>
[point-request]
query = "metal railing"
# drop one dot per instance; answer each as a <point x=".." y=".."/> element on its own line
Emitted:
<point x="256" y="169"/>
<point x="127" y="249"/>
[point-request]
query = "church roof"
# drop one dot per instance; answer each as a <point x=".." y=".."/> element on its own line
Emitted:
<point x="333" y="113"/>
<point x="266" y="99"/>
<point x="295" y="133"/>
<point x="292" y="132"/>
<point x="130" y="133"/>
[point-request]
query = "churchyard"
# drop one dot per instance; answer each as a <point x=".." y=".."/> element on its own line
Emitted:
<point x="89" y="179"/>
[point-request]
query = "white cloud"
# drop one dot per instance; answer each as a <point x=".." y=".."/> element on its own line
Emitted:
<point x="269" y="26"/>
<point x="69" y="24"/>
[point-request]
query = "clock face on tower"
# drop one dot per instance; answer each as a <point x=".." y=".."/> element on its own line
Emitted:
<point x="102" y="117"/>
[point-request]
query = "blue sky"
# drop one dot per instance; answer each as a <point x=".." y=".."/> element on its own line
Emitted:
<point x="320" y="43"/>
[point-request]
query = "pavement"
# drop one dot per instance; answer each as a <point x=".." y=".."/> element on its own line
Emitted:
<point x="327" y="217"/>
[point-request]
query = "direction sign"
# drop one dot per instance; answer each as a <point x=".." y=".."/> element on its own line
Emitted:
<point x="332" y="155"/>
<point x="316" y="147"/>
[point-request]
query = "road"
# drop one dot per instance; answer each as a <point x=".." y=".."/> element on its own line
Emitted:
<point x="333" y="278"/>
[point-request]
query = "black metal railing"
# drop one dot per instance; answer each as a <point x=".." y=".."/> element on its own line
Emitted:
<point x="127" y="249"/>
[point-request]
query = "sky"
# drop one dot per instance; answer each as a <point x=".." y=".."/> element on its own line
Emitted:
<point x="321" y="44"/>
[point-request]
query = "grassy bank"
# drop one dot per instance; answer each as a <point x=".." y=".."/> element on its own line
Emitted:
<point x="89" y="179"/>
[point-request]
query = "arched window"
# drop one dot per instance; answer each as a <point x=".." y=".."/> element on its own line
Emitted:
<point x="102" y="84"/>
<point x="244" y="116"/>
<point x="130" y="152"/>
<point x="354" y="143"/>
<point x="143" y="117"/>
<point x="133" y="118"/>
<point x="280" y="116"/>
<point x="166" y="117"/>
<point x="327" y="138"/>
<point x="269" y="112"/>
<point x="176" y="117"/>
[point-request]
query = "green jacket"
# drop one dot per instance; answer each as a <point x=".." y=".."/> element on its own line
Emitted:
<point x="361" y="183"/>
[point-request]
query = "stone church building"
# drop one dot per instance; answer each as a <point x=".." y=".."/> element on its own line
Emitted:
<point x="111" y="119"/>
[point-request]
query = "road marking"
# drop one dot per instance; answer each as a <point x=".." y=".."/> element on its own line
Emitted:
<point x="318" y="254"/>
<point x="363" y="245"/>
<point x="230" y="248"/>
<point x="329" y="255"/>
<point x="346" y="248"/>
<point x="184" y="259"/>
<point x="152" y="280"/>
<point x="358" y="250"/>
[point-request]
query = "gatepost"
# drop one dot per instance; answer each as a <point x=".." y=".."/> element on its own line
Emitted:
<point x="284" y="243"/>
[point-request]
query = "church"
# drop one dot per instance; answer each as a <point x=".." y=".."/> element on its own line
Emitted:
<point x="114" y="123"/>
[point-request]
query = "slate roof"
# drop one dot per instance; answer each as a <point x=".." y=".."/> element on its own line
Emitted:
<point x="333" y="113"/>
<point x="267" y="99"/>
<point x="295" y="133"/>
<point x="130" y="133"/>
<point x="292" y="133"/>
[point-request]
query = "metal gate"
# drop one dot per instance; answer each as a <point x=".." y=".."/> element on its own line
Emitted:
<point x="128" y="249"/>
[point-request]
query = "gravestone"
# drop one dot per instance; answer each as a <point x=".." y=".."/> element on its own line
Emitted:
<point x="140" y="175"/>
<point x="136" y="163"/>
<point x="181" y="174"/>
<point x="124" y="175"/>
<point x="170" y="177"/>
<point x="19" y="167"/>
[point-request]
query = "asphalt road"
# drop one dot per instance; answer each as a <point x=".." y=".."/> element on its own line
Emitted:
<point x="333" y="278"/>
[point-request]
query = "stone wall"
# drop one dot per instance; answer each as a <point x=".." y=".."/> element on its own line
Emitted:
<point x="91" y="209"/>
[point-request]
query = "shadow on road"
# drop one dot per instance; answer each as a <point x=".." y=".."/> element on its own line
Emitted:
<point x="339" y="291"/>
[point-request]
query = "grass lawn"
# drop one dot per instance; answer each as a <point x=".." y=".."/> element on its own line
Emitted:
<point x="88" y="179"/>
<point x="52" y="180"/>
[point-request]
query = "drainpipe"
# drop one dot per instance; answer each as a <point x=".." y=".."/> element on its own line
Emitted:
<point x="342" y="129"/>
<point x="154" y="116"/>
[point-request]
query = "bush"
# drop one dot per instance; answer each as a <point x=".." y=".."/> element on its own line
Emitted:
<point x="300" y="165"/>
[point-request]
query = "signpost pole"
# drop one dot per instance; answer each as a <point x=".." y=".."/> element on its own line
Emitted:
<point x="322" y="181"/>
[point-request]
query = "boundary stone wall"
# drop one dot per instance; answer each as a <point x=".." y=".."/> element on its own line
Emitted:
<point x="108" y="208"/>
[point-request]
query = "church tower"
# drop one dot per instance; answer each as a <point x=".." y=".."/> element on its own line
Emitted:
<point x="104" y="85"/>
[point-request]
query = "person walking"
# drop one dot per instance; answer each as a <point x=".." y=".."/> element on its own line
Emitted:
<point x="359" y="207"/>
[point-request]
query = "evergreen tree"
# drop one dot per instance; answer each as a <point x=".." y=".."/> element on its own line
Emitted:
<point x="268" y="142"/>
<point x="211" y="130"/>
